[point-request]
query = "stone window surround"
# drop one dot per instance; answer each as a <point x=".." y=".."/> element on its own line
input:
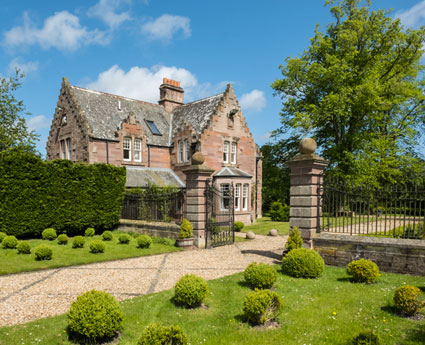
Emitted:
<point x="131" y="148"/>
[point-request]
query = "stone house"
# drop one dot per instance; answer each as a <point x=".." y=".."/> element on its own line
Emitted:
<point x="97" y="127"/>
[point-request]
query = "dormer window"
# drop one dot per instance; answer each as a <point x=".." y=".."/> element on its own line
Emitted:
<point x="226" y="152"/>
<point x="187" y="150"/>
<point x="233" y="153"/>
<point x="152" y="126"/>
<point x="126" y="149"/>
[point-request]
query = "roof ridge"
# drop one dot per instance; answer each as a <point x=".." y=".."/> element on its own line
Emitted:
<point x="200" y="100"/>
<point x="117" y="96"/>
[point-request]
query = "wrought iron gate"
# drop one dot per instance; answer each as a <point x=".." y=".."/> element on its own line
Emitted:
<point x="219" y="206"/>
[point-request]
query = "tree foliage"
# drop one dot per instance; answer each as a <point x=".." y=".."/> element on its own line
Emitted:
<point x="358" y="90"/>
<point x="13" y="129"/>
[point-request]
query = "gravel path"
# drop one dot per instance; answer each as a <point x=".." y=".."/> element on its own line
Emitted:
<point x="28" y="296"/>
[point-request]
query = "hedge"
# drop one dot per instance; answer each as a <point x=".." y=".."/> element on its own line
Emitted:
<point x="60" y="194"/>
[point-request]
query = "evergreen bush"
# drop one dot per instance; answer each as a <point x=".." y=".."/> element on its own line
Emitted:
<point x="107" y="236"/>
<point x="164" y="240"/>
<point x="24" y="248"/>
<point x="43" y="252"/>
<point x="279" y="212"/>
<point x="97" y="246"/>
<point x="155" y="334"/>
<point x="190" y="291"/>
<point x="239" y="226"/>
<point x="78" y="242"/>
<point x="366" y="338"/>
<point x="144" y="241"/>
<point x="294" y="240"/>
<point x="363" y="271"/>
<point x="63" y="239"/>
<point x="124" y="239"/>
<point x="49" y="234"/>
<point x="260" y="275"/>
<point x="303" y="263"/>
<point x="95" y="315"/>
<point x="2" y="235"/>
<point x="89" y="232"/>
<point x="406" y="300"/>
<point x="186" y="229"/>
<point x="262" y="306"/>
<point x="9" y="242"/>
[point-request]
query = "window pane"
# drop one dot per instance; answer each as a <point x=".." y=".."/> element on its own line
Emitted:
<point x="63" y="149"/>
<point x="152" y="126"/>
<point x="180" y="151"/>
<point x="127" y="149"/>
<point x="137" y="150"/>
<point x="225" y="192"/>
<point x="226" y="152"/>
<point x="245" y="197"/>
<point x="237" y="196"/>
<point x="187" y="149"/>
<point x="233" y="158"/>
<point x="68" y="145"/>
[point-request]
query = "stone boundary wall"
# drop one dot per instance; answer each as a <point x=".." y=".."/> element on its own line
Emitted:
<point x="390" y="254"/>
<point x="150" y="228"/>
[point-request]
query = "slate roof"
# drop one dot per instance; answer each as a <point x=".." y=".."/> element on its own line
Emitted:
<point x="196" y="114"/>
<point x="142" y="177"/>
<point x="232" y="172"/>
<point x="102" y="114"/>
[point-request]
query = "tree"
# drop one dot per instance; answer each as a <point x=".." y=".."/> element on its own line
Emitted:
<point x="358" y="90"/>
<point x="14" y="132"/>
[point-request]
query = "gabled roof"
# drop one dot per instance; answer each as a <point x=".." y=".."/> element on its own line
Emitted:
<point x="143" y="177"/>
<point x="102" y="113"/>
<point x="232" y="172"/>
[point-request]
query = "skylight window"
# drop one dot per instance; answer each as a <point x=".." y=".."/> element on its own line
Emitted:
<point x="152" y="126"/>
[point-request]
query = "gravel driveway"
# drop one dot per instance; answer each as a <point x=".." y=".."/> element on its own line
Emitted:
<point x="28" y="296"/>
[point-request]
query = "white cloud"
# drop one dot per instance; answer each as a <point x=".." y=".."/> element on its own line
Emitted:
<point x="413" y="16"/>
<point x="38" y="122"/>
<point x="254" y="100"/>
<point x="24" y="67"/>
<point x="164" y="27"/>
<point x="62" y="31"/>
<point x="106" y="10"/>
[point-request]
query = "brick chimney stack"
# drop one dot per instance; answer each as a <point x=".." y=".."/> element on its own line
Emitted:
<point x="171" y="94"/>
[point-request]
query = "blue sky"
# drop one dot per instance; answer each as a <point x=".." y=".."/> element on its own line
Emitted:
<point x="127" y="46"/>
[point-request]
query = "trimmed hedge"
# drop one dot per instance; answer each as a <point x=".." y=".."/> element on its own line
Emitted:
<point x="303" y="263"/>
<point x="60" y="194"/>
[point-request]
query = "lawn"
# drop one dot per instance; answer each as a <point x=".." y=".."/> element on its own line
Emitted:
<point x="262" y="226"/>
<point x="324" y="311"/>
<point x="65" y="255"/>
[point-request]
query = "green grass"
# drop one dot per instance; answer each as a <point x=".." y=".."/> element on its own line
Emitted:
<point x="323" y="311"/>
<point x="263" y="225"/>
<point x="65" y="255"/>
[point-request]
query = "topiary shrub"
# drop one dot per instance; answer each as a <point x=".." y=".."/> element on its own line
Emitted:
<point x="186" y="229"/>
<point x="190" y="291"/>
<point x="366" y="338"/>
<point x="406" y="300"/>
<point x="144" y="241"/>
<point x="49" y="234"/>
<point x="294" y="240"/>
<point x="97" y="246"/>
<point x="95" y="315"/>
<point x="9" y="242"/>
<point x="260" y="275"/>
<point x="63" y="239"/>
<point x="124" y="239"/>
<point x="89" y="232"/>
<point x="279" y="212"/>
<point x="24" y="248"/>
<point x="303" y="263"/>
<point x="107" y="236"/>
<point x="78" y="242"/>
<point x="262" y="306"/>
<point x="239" y="226"/>
<point x="155" y="334"/>
<point x="43" y="252"/>
<point x="363" y="271"/>
<point x="2" y="235"/>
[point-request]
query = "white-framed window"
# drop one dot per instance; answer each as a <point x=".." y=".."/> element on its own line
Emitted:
<point x="238" y="197"/>
<point x="225" y="196"/>
<point x="137" y="150"/>
<point x="180" y="155"/>
<point x="226" y="152"/>
<point x="63" y="149"/>
<point x="245" y="197"/>
<point x="233" y="154"/>
<point x="187" y="150"/>
<point x="126" y="149"/>
<point x="68" y="147"/>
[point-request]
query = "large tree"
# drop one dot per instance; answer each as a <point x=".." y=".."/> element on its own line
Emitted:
<point x="14" y="132"/>
<point x="359" y="91"/>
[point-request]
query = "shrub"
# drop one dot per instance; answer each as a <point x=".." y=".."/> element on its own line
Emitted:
<point x="260" y="276"/>
<point x="143" y="241"/>
<point x="89" y="232"/>
<point x="97" y="246"/>
<point x="63" y="239"/>
<point x="366" y="338"/>
<point x="107" y="236"/>
<point x="24" y="248"/>
<point x="124" y="239"/>
<point x="155" y="334"/>
<point x="279" y="212"/>
<point x="43" y="252"/>
<point x="186" y="229"/>
<point x="95" y="315"/>
<point x="78" y="242"/>
<point x="9" y="242"/>
<point x="239" y="226"/>
<point x="2" y="235"/>
<point x="303" y="263"/>
<point x="262" y="306"/>
<point x="406" y="299"/>
<point x="190" y="291"/>
<point x="164" y="240"/>
<point x="363" y="271"/>
<point x="49" y="234"/>
<point x="294" y="240"/>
